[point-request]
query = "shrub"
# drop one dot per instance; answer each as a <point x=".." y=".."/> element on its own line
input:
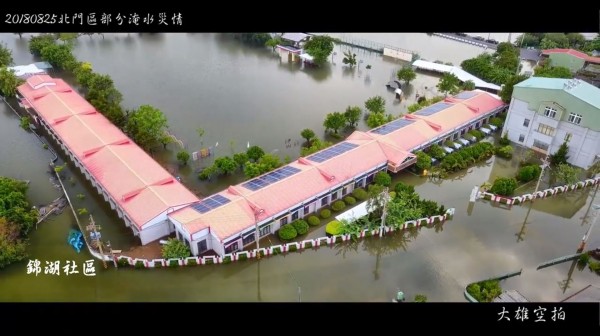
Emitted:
<point x="293" y="248"/>
<point x="276" y="250"/>
<point x="401" y="187"/>
<point x="338" y="205"/>
<point x="477" y="134"/>
<point x="314" y="221"/>
<point x="301" y="227"/>
<point x="461" y="158"/>
<point x="123" y="262"/>
<point x="325" y="213"/>
<point x="173" y="263"/>
<point x="350" y="200"/>
<point x="227" y="260"/>
<point x="210" y="261"/>
<point x="436" y="151"/>
<point x="242" y="257"/>
<point x="498" y="122"/>
<point x="505" y="152"/>
<point x="392" y="194"/>
<point x="287" y="232"/>
<point x="175" y="248"/>
<point x="529" y="173"/>
<point x="594" y="266"/>
<point x="504" y="140"/>
<point x="449" y="143"/>
<point x="423" y="161"/>
<point x="383" y="178"/>
<point x="584" y="258"/>
<point x="334" y="228"/>
<point x="360" y="194"/>
<point x="504" y="186"/>
<point x="191" y="262"/>
<point x="139" y="264"/>
<point x="157" y="264"/>
<point x="308" y="244"/>
<point x="420" y="298"/>
<point x="485" y="291"/>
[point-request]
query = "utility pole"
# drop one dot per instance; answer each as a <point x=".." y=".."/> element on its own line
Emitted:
<point x="256" y="235"/>
<point x="386" y="197"/>
<point x="545" y="164"/>
<point x="95" y="235"/>
<point x="596" y="208"/>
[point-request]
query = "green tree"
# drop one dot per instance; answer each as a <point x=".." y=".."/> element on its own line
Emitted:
<point x="548" y="44"/>
<point x="349" y="59"/>
<point x="423" y="160"/>
<point x="448" y="84"/>
<point x="226" y="165"/>
<point x="407" y="74"/>
<point x="255" y="153"/>
<point x="6" y="58"/>
<point x="183" y="157"/>
<point x="9" y="82"/>
<point x="320" y="47"/>
<point x="352" y="115"/>
<point x="420" y="298"/>
<point x="59" y="55"/>
<point x="561" y="155"/>
<point x="38" y="43"/>
<point x="334" y="121"/>
<point x="315" y="146"/>
<point x="375" y="104"/>
<point x="147" y="126"/>
<point x="504" y="186"/>
<point x="103" y="95"/>
<point x="83" y="73"/>
<point x="14" y="205"/>
<point x="256" y="39"/>
<point x="552" y="72"/>
<point x="307" y="134"/>
<point x="507" y="89"/>
<point x="273" y="42"/>
<point x="559" y="39"/>
<point x="240" y="159"/>
<point x="383" y="179"/>
<point x="376" y="119"/>
<point x="12" y="247"/>
<point x="252" y="169"/>
<point x="468" y="85"/>
<point x="528" y="40"/>
<point x="576" y="40"/>
<point x="269" y="162"/>
<point x="567" y="174"/>
<point x="436" y="151"/>
<point x="68" y="38"/>
<point x="175" y="249"/>
<point x="592" y="45"/>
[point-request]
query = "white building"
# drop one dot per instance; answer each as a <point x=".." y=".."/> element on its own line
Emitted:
<point x="544" y="112"/>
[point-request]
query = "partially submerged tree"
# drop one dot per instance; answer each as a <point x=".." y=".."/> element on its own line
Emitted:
<point x="375" y="104"/>
<point x="307" y="134"/>
<point x="334" y="121"/>
<point x="9" y="82"/>
<point x="6" y="58"/>
<point x="448" y="84"/>
<point x="407" y="74"/>
<point x="320" y="47"/>
<point x="352" y="115"/>
<point x="349" y="59"/>
<point x="147" y="126"/>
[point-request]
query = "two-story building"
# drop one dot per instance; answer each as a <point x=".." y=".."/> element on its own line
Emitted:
<point x="544" y="112"/>
<point x="571" y="59"/>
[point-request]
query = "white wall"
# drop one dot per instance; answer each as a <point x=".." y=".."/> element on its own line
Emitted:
<point x="154" y="232"/>
<point x="583" y="146"/>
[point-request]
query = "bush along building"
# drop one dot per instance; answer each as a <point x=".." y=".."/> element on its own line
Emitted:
<point x="545" y="112"/>
<point x="154" y="204"/>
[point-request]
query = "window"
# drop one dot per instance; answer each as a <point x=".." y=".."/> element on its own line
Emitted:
<point x="334" y="195"/>
<point x="324" y="201"/>
<point x="202" y="246"/>
<point x="295" y="215"/>
<point x="306" y="209"/>
<point x="545" y="129"/>
<point x="284" y="221"/>
<point x="521" y="137"/>
<point x="265" y="230"/>
<point x="568" y="136"/>
<point x="358" y="184"/>
<point x="550" y="112"/>
<point x="526" y="122"/>
<point x="232" y="248"/>
<point x="345" y="191"/>
<point x="249" y="238"/>
<point x="541" y="145"/>
<point x="575" y="118"/>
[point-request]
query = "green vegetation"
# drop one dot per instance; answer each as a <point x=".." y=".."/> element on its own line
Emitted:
<point x="423" y="102"/>
<point x="9" y="82"/>
<point x="273" y="42"/>
<point x="301" y="226"/>
<point x="567" y="174"/>
<point x="349" y="59"/>
<point x="16" y="220"/>
<point x="334" y="121"/>
<point x="561" y="155"/>
<point x="6" y="58"/>
<point x="505" y="152"/>
<point x="375" y="104"/>
<point x="350" y="200"/>
<point x="485" y="291"/>
<point x="504" y="186"/>
<point x="307" y="134"/>
<point x="382" y="178"/>
<point x="287" y="232"/>
<point x="436" y="151"/>
<point x="352" y="115"/>
<point x="174" y="248"/>
<point x="507" y="90"/>
<point x="315" y="146"/>
<point x="558" y="40"/>
<point x="449" y="84"/>
<point x="320" y="47"/>
<point x="338" y="205"/>
<point x="375" y="120"/>
<point x="477" y="134"/>
<point x="80" y="196"/>
<point x="546" y="70"/>
<point x="82" y="211"/>
<point x="465" y="156"/>
<point x="147" y="126"/>
<point x="183" y="157"/>
<point x="407" y="74"/>
<point x="24" y="122"/>
<point x="529" y="173"/>
<point x="314" y="220"/>
<point x="123" y="262"/>
<point x="498" y="122"/>
<point x="256" y="39"/>
<point x="468" y="85"/>
<point x="255" y="153"/>
<point x="334" y="228"/>
<point x="497" y="68"/>
<point x="423" y="161"/>
<point x="139" y="264"/>
<point x="325" y="213"/>
<point x="192" y="262"/>
<point x="504" y="141"/>
<point x="420" y="298"/>
<point x="360" y="194"/>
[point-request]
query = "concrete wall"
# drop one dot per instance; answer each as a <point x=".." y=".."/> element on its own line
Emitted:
<point x="398" y="54"/>
<point x="566" y="60"/>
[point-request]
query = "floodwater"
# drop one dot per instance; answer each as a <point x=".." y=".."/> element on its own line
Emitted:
<point x="235" y="93"/>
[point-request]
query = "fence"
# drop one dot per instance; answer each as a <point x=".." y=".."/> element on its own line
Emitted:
<point x="276" y="249"/>
<point x="516" y="200"/>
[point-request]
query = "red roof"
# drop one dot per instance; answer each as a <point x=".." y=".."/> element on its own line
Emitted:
<point x="135" y="181"/>
<point x="246" y="207"/>
<point x="572" y="52"/>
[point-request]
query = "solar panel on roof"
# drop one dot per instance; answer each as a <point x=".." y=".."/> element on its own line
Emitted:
<point x="270" y="178"/>
<point x="331" y="152"/>
<point x="392" y="126"/>
<point x="433" y="109"/>
<point x="210" y="203"/>
<point x="466" y="95"/>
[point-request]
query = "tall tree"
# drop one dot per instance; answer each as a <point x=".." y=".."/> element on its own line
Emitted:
<point x="273" y="42"/>
<point x="567" y="174"/>
<point x="561" y="156"/>
<point x="507" y="89"/>
<point x="377" y="119"/>
<point x="226" y="165"/>
<point x="103" y="95"/>
<point x="468" y="85"/>
<point x="320" y="47"/>
<point x="255" y="153"/>
<point x="60" y="56"/>
<point x="449" y="84"/>
<point x="552" y="72"/>
<point x="6" y="58"/>
<point x="84" y="74"/>
<point x="375" y="104"/>
<point x="576" y="40"/>
<point x="334" y="121"/>
<point x="307" y="134"/>
<point x="352" y="115"/>
<point x="147" y="125"/>
<point x="9" y="82"/>
<point x="407" y="74"/>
